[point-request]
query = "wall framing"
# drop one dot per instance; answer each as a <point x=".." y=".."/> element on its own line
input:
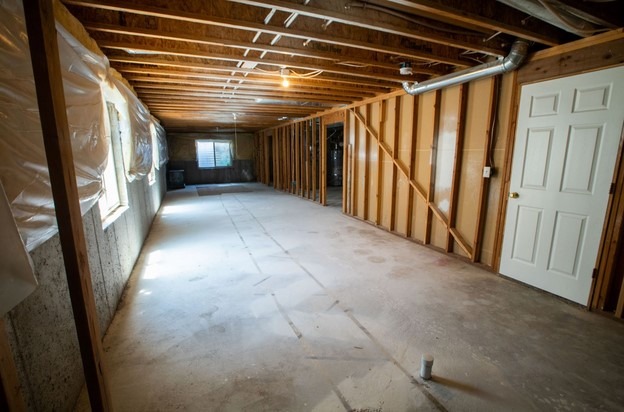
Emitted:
<point x="413" y="164"/>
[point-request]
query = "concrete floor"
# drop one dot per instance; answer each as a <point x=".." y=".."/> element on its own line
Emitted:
<point x="261" y="301"/>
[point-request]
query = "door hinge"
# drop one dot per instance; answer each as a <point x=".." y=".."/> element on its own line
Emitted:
<point x="594" y="273"/>
<point x="612" y="189"/>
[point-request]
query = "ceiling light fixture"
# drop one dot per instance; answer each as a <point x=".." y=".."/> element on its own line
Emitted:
<point x="284" y="73"/>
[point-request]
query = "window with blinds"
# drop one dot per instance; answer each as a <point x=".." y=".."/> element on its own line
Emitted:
<point x="214" y="153"/>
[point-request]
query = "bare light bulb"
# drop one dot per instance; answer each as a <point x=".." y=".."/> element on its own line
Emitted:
<point x="284" y="72"/>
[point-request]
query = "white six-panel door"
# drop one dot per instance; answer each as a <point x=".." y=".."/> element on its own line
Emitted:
<point x="567" y="141"/>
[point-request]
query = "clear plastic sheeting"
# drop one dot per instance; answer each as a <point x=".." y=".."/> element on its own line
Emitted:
<point x="89" y="84"/>
<point x="23" y="166"/>
<point x="159" y="137"/>
<point x="136" y="138"/>
<point x="17" y="277"/>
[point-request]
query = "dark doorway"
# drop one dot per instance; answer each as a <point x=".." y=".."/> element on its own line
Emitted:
<point x="335" y="157"/>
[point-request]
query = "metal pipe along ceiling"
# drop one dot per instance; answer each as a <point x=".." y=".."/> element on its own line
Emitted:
<point x="515" y="57"/>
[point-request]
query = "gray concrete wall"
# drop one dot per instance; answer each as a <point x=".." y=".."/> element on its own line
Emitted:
<point x="41" y="328"/>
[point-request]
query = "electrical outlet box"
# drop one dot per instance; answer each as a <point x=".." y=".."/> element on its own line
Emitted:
<point x="487" y="171"/>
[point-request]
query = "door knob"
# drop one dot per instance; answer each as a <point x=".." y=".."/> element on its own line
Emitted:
<point x="514" y="195"/>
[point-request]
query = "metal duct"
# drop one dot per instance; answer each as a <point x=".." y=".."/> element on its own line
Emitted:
<point x="512" y="61"/>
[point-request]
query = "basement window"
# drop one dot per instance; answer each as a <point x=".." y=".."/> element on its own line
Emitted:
<point x="213" y="154"/>
<point x="114" y="199"/>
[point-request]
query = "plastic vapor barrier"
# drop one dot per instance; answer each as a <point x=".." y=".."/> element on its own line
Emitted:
<point x="161" y="153"/>
<point x="136" y="137"/>
<point x="88" y="84"/>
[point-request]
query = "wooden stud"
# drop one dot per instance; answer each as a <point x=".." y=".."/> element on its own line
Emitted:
<point x="307" y="158"/>
<point x="41" y="29"/>
<point x="506" y="177"/>
<point x="274" y="149"/>
<point x="323" y="163"/>
<point x="611" y="242"/>
<point x="10" y="389"/>
<point x="432" y="169"/>
<point x="290" y="136"/>
<point x="356" y="168"/>
<point x="350" y="180"/>
<point x="299" y="131"/>
<point x="345" y="160"/>
<point x="412" y="168"/>
<point x="284" y="132"/>
<point x="380" y="155"/>
<point x="277" y="172"/>
<point x="457" y="164"/>
<point x="267" y="164"/>
<point x="395" y="159"/>
<point x="304" y="158"/>
<point x="367" y="139"/>
<point x="485" y="182"/>
<point x="314" y="161"/>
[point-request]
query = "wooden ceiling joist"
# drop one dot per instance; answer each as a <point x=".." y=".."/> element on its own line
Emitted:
<point x="479" y="15"/>
<point x="293" y="64"/>
<point x="335" y="58"/>
<point x="335" y="81"/>
<point x="429" y="52"/>
<point x="193" y="62"/>
<point x="362" y="19"/>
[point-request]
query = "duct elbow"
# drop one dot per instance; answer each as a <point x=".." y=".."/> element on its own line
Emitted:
<point x="410" y="87"/>
<point x="516" y="56"/>
<point x="512" y="61"/>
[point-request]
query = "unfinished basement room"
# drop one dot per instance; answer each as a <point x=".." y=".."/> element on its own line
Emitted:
<point x="306" y="205"/>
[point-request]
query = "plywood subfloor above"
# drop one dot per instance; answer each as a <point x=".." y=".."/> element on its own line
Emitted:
<point x="263" y="301"/>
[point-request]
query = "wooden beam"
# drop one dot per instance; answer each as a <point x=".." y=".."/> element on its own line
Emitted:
<point x="596" y="52"/>
<point x="40" y="24"/>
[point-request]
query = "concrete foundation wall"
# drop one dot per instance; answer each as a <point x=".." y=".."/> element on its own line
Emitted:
<point x="41" y="328"/>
